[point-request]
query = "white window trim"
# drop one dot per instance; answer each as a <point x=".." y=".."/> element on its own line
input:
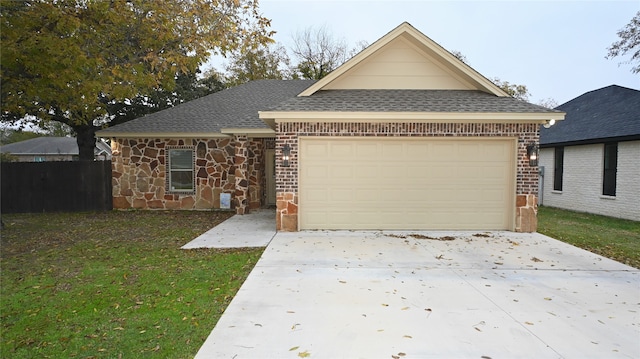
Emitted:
<point x="169" y="188"/>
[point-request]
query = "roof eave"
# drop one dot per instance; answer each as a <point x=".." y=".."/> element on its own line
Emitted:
<point x="110" y="134"/>
<point x="591" y="141"/>
<point x="250" y="132"/>
<point x="435" y="117"/>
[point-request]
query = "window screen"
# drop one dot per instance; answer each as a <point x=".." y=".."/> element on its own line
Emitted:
<point x="181" y="170"/>
<point x="558" y="167"/>
<point x="610" y="168"/>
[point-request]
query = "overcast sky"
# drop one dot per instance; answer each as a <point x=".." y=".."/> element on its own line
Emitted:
<point x="555" y="48"/>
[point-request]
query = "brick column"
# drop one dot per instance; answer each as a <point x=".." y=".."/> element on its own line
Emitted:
<point x="287" y="212"/>
<point x="241" y="195"/>
<point x="526" y="213"/>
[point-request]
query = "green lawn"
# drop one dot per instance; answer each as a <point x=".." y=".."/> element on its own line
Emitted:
<point x="116" y="284"/>
<point x="113" y="285"/>
<point x="614" y="238"/>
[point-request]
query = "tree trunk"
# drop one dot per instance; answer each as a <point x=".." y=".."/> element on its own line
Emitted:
<point x="86" y="138"/>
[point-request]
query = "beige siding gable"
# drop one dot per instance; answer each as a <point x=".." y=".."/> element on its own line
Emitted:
<point x="401" y="65"/>
<point x="407" y="59"/>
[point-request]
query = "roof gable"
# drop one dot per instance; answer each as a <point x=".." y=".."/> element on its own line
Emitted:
<point x="606" y="114"/>
<point x="405" y="59"/>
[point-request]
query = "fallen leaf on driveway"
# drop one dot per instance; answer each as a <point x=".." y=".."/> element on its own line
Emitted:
<point x="304" y="354"/>
<point x="294" y="348"/>
<point x="481" y="235"/>
<point x="536" y="259"/>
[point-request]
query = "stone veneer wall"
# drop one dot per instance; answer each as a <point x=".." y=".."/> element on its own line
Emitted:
<point x="289" y="132"/>
<point x="140" y="178"/>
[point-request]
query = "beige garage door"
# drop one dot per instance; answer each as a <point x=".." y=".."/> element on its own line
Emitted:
<point x="391" y="183"/>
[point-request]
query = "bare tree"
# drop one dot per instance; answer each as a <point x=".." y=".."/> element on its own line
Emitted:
<point x="629" y="43"/>
<point x="548" y="102"/>
<point x="318" y="52"/>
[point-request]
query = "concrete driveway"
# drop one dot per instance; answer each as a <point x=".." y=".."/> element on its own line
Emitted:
<point x="344" y="294"/>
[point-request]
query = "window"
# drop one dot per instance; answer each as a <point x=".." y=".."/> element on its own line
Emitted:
<point x="39" y="159"/>
<point x="180" y="170"/>
<point x="609" y="169"/>
<point x="558" y="166"/>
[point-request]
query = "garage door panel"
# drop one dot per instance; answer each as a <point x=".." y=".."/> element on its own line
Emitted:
<point x="392" y="151"/>
<point x="400" y="183"/>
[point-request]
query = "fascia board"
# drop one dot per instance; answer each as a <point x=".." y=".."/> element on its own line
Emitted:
<point x="104" y="134"/>
<point x="435" y="117"/>
<point x="251" y="132"/>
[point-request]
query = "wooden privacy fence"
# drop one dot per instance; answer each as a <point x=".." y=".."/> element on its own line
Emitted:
<point x="55" y="186"/>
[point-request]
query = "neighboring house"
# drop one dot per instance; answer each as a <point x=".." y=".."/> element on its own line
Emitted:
<point x="46" y="149"/>
<point x="591" y="161"/>
<point x="402" y="136"/>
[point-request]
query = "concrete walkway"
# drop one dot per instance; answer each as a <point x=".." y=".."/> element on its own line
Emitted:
<point x="430" y="295"/>
<point x="255" y="229"/>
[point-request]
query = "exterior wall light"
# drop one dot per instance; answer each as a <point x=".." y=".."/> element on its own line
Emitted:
<point x="549" y="123"/>
<point x="532" y="154"/>
<point x="286" y="152"/>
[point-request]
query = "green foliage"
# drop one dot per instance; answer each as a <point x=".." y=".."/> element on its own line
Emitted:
<point x="629" y="43"/>
<point x="615" y="238"/>
<point x="7" y="157"/>
<point x="114" y="284"/>
<point x="519" y="92"/>
<point x="265" y="62"/>
<point x="188" y="87"/>
<point x="67" y="60"/>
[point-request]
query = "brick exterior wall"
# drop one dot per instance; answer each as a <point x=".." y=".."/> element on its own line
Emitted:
<point x="140" y="178"/>
<point x="289" y="132"/>
<point x="582" y="180"/>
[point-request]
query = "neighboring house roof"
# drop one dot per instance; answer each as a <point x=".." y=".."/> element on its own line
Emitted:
<point x="611" y="113"/>
<point x="41" y="146"/>
<point x="209" y="116"/>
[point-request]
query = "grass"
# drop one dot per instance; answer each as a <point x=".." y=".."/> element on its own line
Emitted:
<point x="116" y="284"/>
<point x="614" y="238"/>
<point x="113" y="285"/>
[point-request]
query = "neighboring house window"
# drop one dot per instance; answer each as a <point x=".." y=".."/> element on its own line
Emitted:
<point x="180" y="169"/>
<point x="609" y="169"/>
<point x="39" y="159"/>
<point x="558" y="166"/>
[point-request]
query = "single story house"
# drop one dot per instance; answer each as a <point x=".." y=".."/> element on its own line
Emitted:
<point x="591" y="161"/>
<point x="402" y="136"/>
<point x="46" y="149"/>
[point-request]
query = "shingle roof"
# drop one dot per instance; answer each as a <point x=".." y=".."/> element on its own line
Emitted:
<point x="607" y="113"/>
<point x="43" y="146"/>
<point x="235" y="107"/>
<point x="408" y="101"/>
